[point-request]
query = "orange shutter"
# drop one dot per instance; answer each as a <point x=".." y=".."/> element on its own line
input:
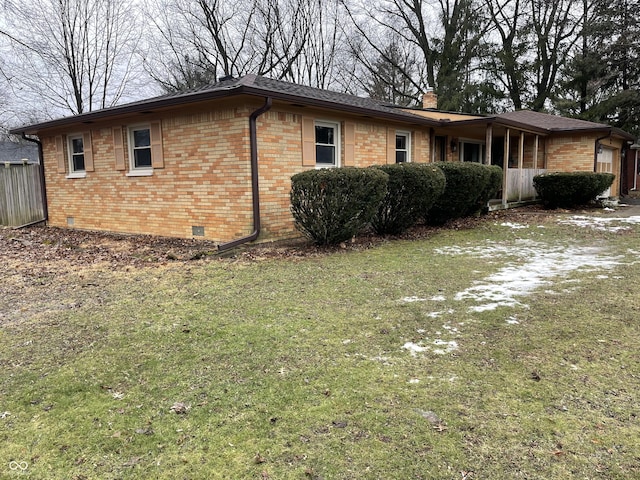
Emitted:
<point x="118" y="148"/>
<point x="60" y="154"/>
<point x="308" y="142"/>
<point x="416" y="155"/>
<point x="157" y="157"/>
<point x="349" y="144"/>
<point x="88" y="151"/>
<point x="391" y="145"/>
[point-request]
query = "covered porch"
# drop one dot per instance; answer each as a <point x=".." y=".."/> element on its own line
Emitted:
<point x="521" y="154"/>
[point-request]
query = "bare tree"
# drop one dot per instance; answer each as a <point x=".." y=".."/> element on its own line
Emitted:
<point x="534" y="40"/>
<point x="73" y="55"/>
<point x="207" y="39"/>
<point x="323" y="60"/>
<point x="441" y="41"/>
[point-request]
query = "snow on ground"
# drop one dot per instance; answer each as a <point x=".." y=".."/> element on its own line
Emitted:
<point x="529" y="266"/>
<point x="413" y="299"/>
<point x="542" y="264"/>
<point x="515" y="226"/>
<point x="444" y="347"/>
<point x="606" y="224"/>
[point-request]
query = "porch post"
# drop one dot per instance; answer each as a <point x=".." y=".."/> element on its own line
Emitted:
<point x="488" y="142"/>
<point x="536" y="145"/>
<point x="505" y="169"/>
<point x="520" y="165"/>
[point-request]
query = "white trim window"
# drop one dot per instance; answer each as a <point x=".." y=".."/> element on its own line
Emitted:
<point x="472" y="151"/>
<point x="140" y="150"/>
<point x="75" y="150"/>
<point x="327" y="144"/>
<point x="403" y="146"/>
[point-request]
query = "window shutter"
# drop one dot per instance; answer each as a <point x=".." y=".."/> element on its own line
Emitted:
<point x="157" y="157"/>
<point x="416" y="155"/>
<point x="118" y="148"/>
<point x="60" y="154"/>
<point x="391" y="145"/>
<point x="349" y="144"/>
<point x="308" y="142"/>
<point x="88" y="151"/>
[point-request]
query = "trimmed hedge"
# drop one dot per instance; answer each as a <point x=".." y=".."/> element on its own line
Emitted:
<point x="490" y="190"/>
<point x="412" y="190"/>
<point x="332" y="205"/>
<point x="570" y="189"/>
<point x="466" y="183"/>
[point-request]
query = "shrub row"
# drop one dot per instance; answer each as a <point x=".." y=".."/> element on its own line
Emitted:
<point x="469" y="187"/>
<point x="333" y="205"/>
<point x="568" y="190"/>
<point x="412" y="190"/>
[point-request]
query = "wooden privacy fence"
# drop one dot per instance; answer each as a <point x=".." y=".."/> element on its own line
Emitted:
<point x="20" y="194"/>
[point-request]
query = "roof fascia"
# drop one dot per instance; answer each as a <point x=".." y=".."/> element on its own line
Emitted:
<point x="313" y="102"/>
<point x="236" y="90"/>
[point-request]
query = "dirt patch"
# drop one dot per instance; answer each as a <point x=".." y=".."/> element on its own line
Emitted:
<point x="37" y="246"/>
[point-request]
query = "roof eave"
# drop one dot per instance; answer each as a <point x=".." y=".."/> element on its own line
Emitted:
<point x="138" y="107"/>
<point x="172" y="101"/>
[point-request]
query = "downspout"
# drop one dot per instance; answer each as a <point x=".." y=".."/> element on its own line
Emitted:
<point x="253" y="145"/>
<point x="43" y="186"/>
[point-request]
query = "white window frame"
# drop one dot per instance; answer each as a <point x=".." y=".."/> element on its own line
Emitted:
<point x="133" y="170"/>
<point x="73" y="173"/>
<point x="407" y="150"/>
<point x="336" y="142"/>
<point x="483" y="149"/>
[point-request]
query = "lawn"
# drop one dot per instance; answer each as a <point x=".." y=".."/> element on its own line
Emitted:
<point x="506" y="350"/>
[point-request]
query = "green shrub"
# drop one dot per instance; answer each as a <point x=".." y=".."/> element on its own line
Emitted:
<point x="332" y="205"/>
<point x="490" y="190"/>
<point x="412" y="190"/>
<point x="570" y="189"/>
<point x="466" y="182"/>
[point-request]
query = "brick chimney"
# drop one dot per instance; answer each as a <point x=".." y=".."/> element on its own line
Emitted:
<point x="429" y="99"/>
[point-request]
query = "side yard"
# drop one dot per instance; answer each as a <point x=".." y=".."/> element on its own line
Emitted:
<point x="505" y="347"/>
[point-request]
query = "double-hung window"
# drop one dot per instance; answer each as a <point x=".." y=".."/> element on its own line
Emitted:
<point x="327" y="144"/>
<point x="140" y="149"/>
<point x="403" y="147"/>
<point x="75" y="149"/>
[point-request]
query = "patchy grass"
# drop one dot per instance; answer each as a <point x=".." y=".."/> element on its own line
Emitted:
<point x="295" y="368"/>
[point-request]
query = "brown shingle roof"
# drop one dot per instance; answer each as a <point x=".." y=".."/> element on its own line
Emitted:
<point x="247" y="85"/>
<point x="548" y="122"/>
<point x="308" y="96"/>
<point x="554" y="123"/>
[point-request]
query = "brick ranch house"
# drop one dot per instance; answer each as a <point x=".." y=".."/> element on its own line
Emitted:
<point x="216" y="162"/>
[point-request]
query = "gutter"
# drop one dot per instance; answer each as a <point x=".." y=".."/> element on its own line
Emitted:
<point x="253" y="143"/>
<point x="43" y="186"/>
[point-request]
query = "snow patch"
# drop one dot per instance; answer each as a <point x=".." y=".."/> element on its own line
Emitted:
<point x="414" y="348"/>
<point x="542" y="264"/>
<point x="605" y="224"/>
<point x="413" y="299"/>
<point x="514" y="226"/>
<point x="448" y="346"/>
